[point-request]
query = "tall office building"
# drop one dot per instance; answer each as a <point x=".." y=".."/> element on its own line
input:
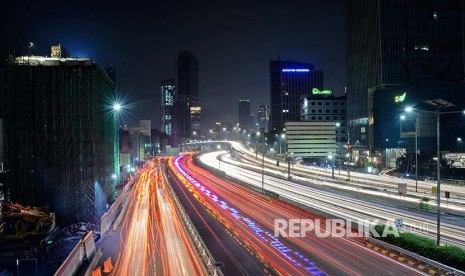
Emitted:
<point x="187" y="92"/>
<point x="244" y="114"/>
<point x="167" y="95"/>
<point x="263" y="117"/>
<point x="195" y="119"/>
<point x="289" y="81"/>
<point x="392" y="43"/>
<point x="61" y="145"/>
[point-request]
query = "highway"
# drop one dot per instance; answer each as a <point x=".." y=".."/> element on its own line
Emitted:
<point x="334" y="204"/>
<point x="379" y="185"/>
<point x="250" y="217"/>
<point x="232" y="257"/>
<point x="153" y="241"/>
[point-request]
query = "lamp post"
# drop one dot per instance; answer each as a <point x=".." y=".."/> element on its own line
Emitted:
<point x="256" y="144"/>
<point x="338" y="125"/>
<point x="289" y="166"/>
<point x="263" y="170"/>
<point x="402" y="117"/>
<point x="117" y="109"/>
<point x="330" y="157"/>
<point x="438" y="104"/>
<point x="283" y="136"/>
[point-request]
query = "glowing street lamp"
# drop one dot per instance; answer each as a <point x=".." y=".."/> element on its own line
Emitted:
<point x="438" y="104"/>
<point x="117" y="107"/>
<point x="402" y="117"/>
<point x="330" y="157"/>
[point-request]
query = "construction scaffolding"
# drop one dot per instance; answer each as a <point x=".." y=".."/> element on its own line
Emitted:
<point x="59" y="136"/>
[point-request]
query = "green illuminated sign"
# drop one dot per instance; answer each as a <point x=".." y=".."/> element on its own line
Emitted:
<point x="401" y="98"/>
<point x="316" y="91"/>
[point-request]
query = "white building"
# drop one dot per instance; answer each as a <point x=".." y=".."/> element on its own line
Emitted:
<point x="311" y="140"/>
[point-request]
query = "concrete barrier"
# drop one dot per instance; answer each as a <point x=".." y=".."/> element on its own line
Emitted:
<point x="107" y="219"/>
<point x="82" y="251"/>
<point x="189" y="227"/>
<point x="89" y="245"/>
<point x="94" y="262"/>
<point x="72" y="262"/>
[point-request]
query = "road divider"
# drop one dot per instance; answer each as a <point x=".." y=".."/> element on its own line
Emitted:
<point x="82" y="251"/>
<point x="202" y="249"/>
<point x="107" y="219"/>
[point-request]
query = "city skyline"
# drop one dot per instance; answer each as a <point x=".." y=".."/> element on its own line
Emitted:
<point x="233" y="55"/>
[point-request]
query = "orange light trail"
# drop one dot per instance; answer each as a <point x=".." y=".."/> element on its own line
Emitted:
<point x="153" y="239"/>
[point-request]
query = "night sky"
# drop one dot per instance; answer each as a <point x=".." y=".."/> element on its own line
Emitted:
<point x="233" y="40"/>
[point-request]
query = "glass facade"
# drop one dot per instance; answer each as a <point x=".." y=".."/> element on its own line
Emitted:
<point x="289" y="81"/>
<point x="167" y="94"/>
<point x="393" y="42"/>
<point x="244" y="114"/>
<point x="187" y="92"/>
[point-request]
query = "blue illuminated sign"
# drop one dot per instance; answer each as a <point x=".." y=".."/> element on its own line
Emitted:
<point x="295" y="70"/>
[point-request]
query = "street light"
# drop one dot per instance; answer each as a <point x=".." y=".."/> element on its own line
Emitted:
<point x="330" y="157"/>
<point x="403" y="117"/>
<point x="117" y="107"/>
<point x="438" y="104"/>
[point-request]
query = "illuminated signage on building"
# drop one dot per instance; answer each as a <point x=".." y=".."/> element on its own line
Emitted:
<point x="316" y="91"/>
<point x="295" y="70"/>
<point x="401" y="98"/>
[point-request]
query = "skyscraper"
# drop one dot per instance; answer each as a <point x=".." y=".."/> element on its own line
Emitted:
<point x="167" y="95"/>
<point x="289" y="81"/>
<point x="60" y="135"/>
<point x="195" y="120"/>
<point x="244" y="114"/>
<point x="396" y="42"/>
<point x="187" y="92"/>
<point x="263" y="117"/>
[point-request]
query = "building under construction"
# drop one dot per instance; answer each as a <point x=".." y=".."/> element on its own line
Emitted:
<point x="59" y="135"/>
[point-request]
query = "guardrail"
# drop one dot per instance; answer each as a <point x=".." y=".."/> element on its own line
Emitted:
<point x="107" y="219"/>
<point x="443" y="269"/>
<point x="202" y="249"/>
<point x="82" y="251"/>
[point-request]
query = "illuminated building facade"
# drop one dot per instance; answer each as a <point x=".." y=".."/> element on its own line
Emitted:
<point x="290" y="80"/>
<point x="326" y="108"/>
<point x="167" y="95"/>
<point x="195" y="120"/>
<point x="263" y="117"/>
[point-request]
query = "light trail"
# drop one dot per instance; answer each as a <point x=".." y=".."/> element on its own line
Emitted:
<point x="153" y="240"/>
<point x="362" y="180"/>
<point x="335" y="256"/>
<point x="340" y="206"/>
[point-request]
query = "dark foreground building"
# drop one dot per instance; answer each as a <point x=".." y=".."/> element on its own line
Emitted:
<point x="59" y="135"/>
<point x="395" y="45"/>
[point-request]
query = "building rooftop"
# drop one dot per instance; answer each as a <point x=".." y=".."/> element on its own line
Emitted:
<point x="52" y="61"/>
